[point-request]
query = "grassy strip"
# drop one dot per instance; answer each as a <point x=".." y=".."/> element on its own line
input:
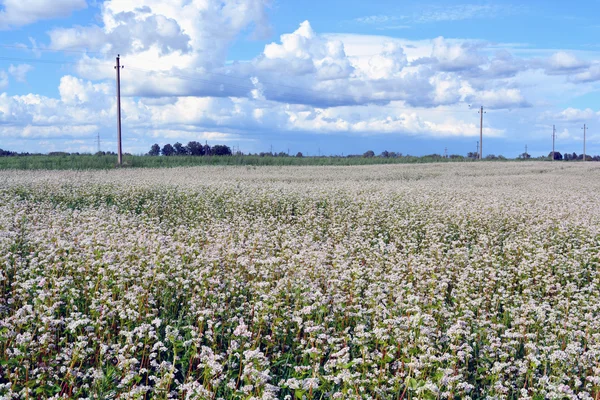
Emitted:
<point x="85" y="162"/>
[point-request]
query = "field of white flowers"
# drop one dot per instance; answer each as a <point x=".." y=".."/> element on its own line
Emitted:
<point x="477" y="280"/>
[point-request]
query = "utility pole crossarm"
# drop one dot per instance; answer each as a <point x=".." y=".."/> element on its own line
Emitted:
<point x="480" y="143"/>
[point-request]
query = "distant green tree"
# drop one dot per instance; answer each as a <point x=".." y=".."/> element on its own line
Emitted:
<point x="180" y="149"/>
<point x="221" y="150"/>
<point x="7" y="153"/>
<point x="299" y="155"/>
<point x="168" y="150"/>
<point x="194" y="148"/>
<point x="369" y="154"/>
<point x="154" y="150"/>
<point x="557" y="155"/>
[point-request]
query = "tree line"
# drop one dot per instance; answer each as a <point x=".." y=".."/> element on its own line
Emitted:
<point x="573" y="156"/>
<point x="193" y="148"/>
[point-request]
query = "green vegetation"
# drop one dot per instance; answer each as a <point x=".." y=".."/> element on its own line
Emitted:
<point x="83" y="162"/>
<point x="407" y="282"/>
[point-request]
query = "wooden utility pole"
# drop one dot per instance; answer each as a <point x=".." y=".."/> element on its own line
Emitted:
<point x="119" y="148"/>
<point x="584" y="129"/>
<point x="481" y="133"/>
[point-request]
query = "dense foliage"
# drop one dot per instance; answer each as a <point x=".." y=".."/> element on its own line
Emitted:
<point x="477" y="280"/>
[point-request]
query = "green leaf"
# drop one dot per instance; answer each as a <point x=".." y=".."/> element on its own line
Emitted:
<point x="429" y="395"/>
<point x="413" y="384"/>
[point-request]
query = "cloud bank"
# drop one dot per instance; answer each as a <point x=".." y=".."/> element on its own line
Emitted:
<point x="178" y="81"/>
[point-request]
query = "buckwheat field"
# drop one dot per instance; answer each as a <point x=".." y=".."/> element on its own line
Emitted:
<point x="438" y="281"/>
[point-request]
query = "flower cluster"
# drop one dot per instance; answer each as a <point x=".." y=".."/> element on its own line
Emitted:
<point x="428" y="281"/>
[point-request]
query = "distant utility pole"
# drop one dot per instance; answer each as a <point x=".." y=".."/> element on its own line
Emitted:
<point x="553" y="140"/>
<point x="119" y="148"/>
<point x="480" y="143"/>
<point x="445" y="152"/>
<point x="584" y="129"/>
<point x="98" y="139"/>
<point x="526" y="153"/>
<point x="477" y="149"/>
<point x="481" y="112"/>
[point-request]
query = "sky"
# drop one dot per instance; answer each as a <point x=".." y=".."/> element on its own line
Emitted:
<point x="319" y="77"/>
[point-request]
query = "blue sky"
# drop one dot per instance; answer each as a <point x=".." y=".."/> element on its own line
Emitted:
<point x="334" y="77"/>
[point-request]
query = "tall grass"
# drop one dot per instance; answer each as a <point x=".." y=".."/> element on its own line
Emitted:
<point x="84" y="162"/>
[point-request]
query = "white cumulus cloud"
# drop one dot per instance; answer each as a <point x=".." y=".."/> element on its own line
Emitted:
<point x="3" y="80"/>
<point x="19" y="72"/>
<point x="17" y="13"/>
<point x="563" y="62"/>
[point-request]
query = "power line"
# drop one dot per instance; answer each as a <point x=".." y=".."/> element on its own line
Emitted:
<point x="300" y="98"/>
<point x="480" y="143"/>
<point x="290" y="95"/>
<point x="37" y="60"/>
<point x="32" y="48"/>
<point x="48" y="49"/>
<point x="287" y="92"/>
